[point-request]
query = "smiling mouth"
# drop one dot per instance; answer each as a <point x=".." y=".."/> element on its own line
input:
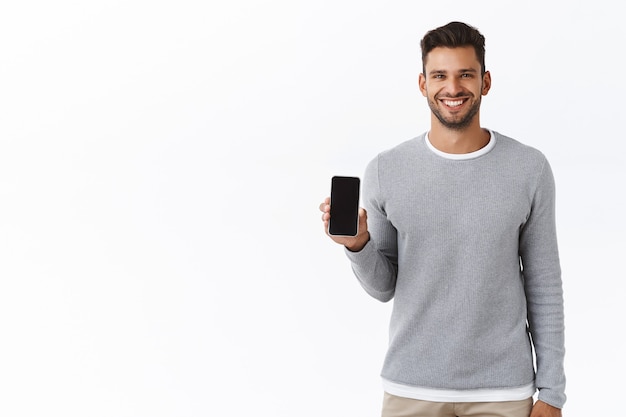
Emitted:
<point x="453" y="103"/>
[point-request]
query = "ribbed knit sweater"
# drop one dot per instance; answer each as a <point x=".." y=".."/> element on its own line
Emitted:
<point x="468" y="251"/>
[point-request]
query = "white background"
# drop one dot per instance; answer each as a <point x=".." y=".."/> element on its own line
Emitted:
<point x="161" y="166"/>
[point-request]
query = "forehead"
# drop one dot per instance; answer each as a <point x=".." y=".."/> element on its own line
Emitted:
<point x="452" y="59"/>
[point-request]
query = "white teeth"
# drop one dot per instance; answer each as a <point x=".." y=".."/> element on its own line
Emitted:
<point x="453" y="103"/>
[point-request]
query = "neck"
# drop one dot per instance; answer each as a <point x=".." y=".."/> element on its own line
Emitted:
<point x="467" y="140"/>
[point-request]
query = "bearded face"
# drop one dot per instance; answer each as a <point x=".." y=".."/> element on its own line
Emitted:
<point x="453" y="83"/>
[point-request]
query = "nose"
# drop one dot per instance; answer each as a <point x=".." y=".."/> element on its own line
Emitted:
<point x="453" y="86"/>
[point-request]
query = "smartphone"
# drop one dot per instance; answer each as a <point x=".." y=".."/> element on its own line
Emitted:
<point x="344" y="206"/>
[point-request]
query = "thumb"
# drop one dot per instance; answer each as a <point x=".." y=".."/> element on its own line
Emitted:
<point x="363" y="218"/>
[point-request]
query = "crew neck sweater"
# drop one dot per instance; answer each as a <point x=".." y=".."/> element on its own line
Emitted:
<point x="467" y="250"/>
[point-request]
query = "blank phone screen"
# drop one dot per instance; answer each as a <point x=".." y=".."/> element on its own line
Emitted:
<point x="344" y="206"/>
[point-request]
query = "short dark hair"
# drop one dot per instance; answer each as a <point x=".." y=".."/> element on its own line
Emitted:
<point x="454" y="35"/>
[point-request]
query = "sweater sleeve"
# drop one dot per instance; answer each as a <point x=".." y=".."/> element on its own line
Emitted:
<point x="544" y="291"/>
<point x="376" y="265"/>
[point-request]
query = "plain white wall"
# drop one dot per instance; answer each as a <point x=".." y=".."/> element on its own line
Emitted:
<point x="161" y="164"/>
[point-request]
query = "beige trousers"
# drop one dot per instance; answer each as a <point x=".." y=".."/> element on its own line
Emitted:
<point x="406" y="407"/>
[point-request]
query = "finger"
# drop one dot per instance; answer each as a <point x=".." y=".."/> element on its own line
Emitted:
<point x="362" y="215"/>
<point x="324" y="206"/>
<point x="326" y="228"/>
<point x="362" y="219"/>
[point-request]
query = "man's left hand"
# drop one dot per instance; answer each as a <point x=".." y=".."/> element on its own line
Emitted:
<point x="541" y="409"/>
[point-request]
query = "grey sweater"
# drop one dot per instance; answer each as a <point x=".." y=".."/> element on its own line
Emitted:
<point x="468" y="251"/>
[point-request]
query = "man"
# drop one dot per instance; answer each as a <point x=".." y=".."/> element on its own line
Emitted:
<point x="458" y="226"/>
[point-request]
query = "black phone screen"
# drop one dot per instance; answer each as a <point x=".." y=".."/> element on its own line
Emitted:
<point x="344" y="206"/>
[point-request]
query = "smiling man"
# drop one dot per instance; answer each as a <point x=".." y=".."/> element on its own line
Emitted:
<point x="458" y="228"/>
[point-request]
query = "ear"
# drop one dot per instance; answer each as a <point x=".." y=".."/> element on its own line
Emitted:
<point x="486" y="83"/>
<point x="422" y="84"/>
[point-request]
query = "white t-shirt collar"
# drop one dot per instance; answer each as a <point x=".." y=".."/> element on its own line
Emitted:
<point x="462" y="156"/>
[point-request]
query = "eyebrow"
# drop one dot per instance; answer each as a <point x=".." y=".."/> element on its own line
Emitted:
<point x="461" y="71"/>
